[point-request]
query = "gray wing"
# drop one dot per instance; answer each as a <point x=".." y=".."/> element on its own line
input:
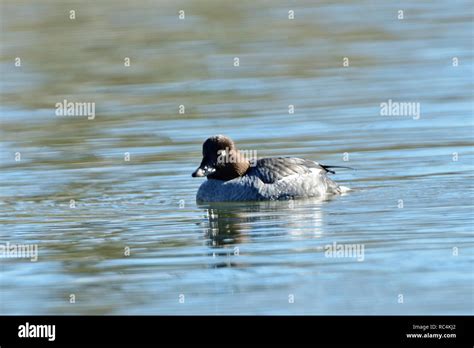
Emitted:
<point x="270" y="170"/>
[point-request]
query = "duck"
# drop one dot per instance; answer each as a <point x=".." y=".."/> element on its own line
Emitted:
<point x="232" y="176"/>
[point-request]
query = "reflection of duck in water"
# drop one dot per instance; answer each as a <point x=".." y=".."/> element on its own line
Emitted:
<point x="236" y="223"/>
<point x="231" y="177"/>
<point x="225" y="226"/>
<point x="231" y="227"/>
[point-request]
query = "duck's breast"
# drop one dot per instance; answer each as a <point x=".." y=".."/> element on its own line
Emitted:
<point x="244" y="188"/>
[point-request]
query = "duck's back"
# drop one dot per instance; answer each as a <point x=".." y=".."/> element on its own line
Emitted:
<point x="271" y="170"/>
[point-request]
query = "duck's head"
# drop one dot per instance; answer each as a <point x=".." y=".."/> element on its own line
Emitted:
<point x="221" y="160"/>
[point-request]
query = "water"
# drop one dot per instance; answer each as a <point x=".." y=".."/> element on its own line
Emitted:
<point x="411" y="207"/>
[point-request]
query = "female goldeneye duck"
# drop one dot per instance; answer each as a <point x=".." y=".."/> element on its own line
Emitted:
<point x="233" y="177"/>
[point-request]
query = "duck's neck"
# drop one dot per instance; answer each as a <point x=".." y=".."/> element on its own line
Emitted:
<point x="235" y="165"/>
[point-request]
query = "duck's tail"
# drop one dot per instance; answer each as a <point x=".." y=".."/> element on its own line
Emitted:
<point x="327" y="168"/>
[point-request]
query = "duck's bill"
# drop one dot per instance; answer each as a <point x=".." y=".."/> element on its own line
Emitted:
<point x="205" y="171"/>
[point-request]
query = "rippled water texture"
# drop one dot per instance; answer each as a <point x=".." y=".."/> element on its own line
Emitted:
<point x="66" y="186"/>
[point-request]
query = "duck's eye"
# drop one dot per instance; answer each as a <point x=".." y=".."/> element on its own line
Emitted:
<point x="209" y="170"/>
